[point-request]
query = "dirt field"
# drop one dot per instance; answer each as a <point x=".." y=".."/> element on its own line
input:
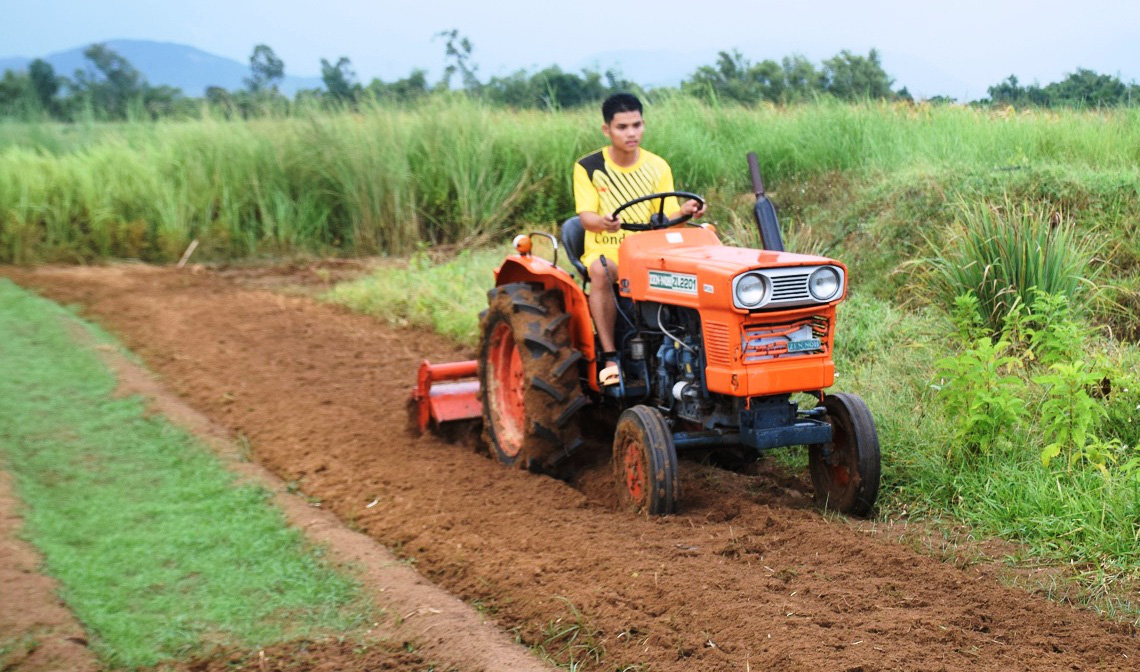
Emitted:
<point x="747" y="576"/>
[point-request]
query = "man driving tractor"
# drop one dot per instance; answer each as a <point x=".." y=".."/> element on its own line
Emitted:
<point x="604" y="180"/>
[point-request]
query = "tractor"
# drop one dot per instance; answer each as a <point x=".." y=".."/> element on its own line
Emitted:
<point x="714" y="342"/>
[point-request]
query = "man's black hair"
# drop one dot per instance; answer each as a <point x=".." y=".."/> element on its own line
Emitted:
<point x="620" y="102"/>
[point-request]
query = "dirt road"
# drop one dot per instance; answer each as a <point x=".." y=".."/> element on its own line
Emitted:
<point x="747" y="577"/>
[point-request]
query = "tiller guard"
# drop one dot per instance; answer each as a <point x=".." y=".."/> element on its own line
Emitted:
<point x="446" y="401"/>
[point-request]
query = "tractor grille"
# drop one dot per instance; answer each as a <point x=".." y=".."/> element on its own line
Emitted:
<point x="770" y="341"/>
<point x="790" y="287"/>
<point x="718" y="344"/>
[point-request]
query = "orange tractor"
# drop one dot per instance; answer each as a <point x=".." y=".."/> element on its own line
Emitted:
<point x="713" y="342"/>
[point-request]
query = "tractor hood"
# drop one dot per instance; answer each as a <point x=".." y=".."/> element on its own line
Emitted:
<point x="690" y="266"/>
<point x="692" y="247"/>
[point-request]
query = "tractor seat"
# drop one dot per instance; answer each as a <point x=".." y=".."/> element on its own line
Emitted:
<point x="574" y="240"/>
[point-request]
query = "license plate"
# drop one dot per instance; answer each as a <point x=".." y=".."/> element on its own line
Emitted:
<point x="805" y="345"/>
<point x="673" y="282"/>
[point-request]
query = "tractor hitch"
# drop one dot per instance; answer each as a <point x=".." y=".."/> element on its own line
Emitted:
<point x="446" y="401"/>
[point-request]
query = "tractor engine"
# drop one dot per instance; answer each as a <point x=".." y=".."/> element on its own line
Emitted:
<point x="676" y="369"/>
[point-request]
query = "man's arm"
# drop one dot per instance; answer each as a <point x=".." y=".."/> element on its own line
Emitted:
<point x="689" y="207"/>
<point x="592" y="221"/>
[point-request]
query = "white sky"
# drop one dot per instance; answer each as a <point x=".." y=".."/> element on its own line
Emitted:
<point x="959" y="47"/>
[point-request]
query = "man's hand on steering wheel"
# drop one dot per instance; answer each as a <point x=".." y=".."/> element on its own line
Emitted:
<point x="693" y="208"/>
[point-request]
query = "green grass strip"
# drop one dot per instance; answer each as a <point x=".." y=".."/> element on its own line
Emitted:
<point x="159" y="553"/>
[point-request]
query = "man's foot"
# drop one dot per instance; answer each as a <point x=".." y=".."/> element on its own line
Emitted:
<point x="610" y="375"/>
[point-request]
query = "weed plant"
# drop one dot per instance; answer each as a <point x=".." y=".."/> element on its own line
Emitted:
<point x="157" y="550"/>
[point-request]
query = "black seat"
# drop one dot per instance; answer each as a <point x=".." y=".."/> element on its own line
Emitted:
<point x="574" y="241"/>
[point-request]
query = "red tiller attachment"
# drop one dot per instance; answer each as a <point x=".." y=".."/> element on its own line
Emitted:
<point x="446" y="402"/>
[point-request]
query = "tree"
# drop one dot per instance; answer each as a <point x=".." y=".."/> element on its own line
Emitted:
<point x="736" y="78"/>
<point x="44" y="83"/>
<point x="1085" y="88"/>
<point x="853" y="77"/>
<point x="339" y="80"/>
<point x="411" y="88"/>
<point x="801" y="79"/>
<point x="1010" y="92"/>
<point x="554" y="89"/>
<point x="16" y="95"/>
<point x="266" y="70"/>
<point x="458" y="54"/>
<point x="728" y="79"/>
<point x="111" y="84"/>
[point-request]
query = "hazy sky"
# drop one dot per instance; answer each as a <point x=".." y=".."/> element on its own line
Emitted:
<point x="957" y="48"/>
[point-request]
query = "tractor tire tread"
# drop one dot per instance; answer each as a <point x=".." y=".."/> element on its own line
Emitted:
<point x="568" y="414"/>
<point x="537" y="345"/>
<point x="546" y="387"/>
<point x="574" y="358"/>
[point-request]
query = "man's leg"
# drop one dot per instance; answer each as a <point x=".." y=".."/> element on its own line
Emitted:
<point x="602" y="307"/>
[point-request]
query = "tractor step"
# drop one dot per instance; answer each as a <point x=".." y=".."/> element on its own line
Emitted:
<point x="440" y="402"/>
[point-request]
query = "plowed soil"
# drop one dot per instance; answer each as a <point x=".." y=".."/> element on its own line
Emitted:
<point x="748" y="576"/>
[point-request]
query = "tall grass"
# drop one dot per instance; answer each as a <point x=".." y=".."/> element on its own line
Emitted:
<point x="456" y="171"/>
<point x="1005" y="253"/>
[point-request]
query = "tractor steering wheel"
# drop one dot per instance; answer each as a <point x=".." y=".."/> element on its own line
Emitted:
<point x="662" y="222"/>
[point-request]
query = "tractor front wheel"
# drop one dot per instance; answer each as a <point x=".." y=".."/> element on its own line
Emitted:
<point x="529" y="380"/>
<point x="845" y="471"/>
<point x="645" y="462"/>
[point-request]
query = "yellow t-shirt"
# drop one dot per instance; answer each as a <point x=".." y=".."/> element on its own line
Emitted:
<point x="601" y="186"/>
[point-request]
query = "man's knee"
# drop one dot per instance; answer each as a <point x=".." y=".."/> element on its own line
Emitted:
<point x="603" y="273"/>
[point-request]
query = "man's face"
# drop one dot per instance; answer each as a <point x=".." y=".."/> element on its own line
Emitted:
<point x="624" y="130"/>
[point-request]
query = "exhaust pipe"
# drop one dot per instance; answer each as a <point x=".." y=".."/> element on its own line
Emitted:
<point x="765" y="212"/>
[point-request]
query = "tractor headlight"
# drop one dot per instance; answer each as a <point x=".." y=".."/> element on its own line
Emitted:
<point x="750" y="290"/>
<point x="824" y="283"/>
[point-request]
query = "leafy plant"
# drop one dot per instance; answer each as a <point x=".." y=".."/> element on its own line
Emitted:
<point x="1070" y="416"/>
<point x="1054" y="335"/>
<point x="982" y="393"/>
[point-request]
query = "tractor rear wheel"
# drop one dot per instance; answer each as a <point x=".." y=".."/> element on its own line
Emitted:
<point x="645" y="462"/>
<point x="845" y="471"/>
<point x="529" y="379"/>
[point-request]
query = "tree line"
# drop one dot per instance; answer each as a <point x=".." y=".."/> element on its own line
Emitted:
<point x="113" y="89"/>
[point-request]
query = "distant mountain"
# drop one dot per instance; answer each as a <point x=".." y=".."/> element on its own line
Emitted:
<point x="164" y="63"/>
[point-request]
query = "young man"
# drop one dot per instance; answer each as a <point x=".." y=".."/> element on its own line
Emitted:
<point x="603" y="181"/>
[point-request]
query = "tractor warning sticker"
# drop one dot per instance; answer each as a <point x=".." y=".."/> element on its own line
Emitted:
<point x="673" y="282"/>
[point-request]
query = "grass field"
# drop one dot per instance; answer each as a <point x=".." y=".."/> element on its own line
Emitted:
<point x="158" y="551"/>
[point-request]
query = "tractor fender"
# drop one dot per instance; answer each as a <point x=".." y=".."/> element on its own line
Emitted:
<point x="518" y="268"/>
